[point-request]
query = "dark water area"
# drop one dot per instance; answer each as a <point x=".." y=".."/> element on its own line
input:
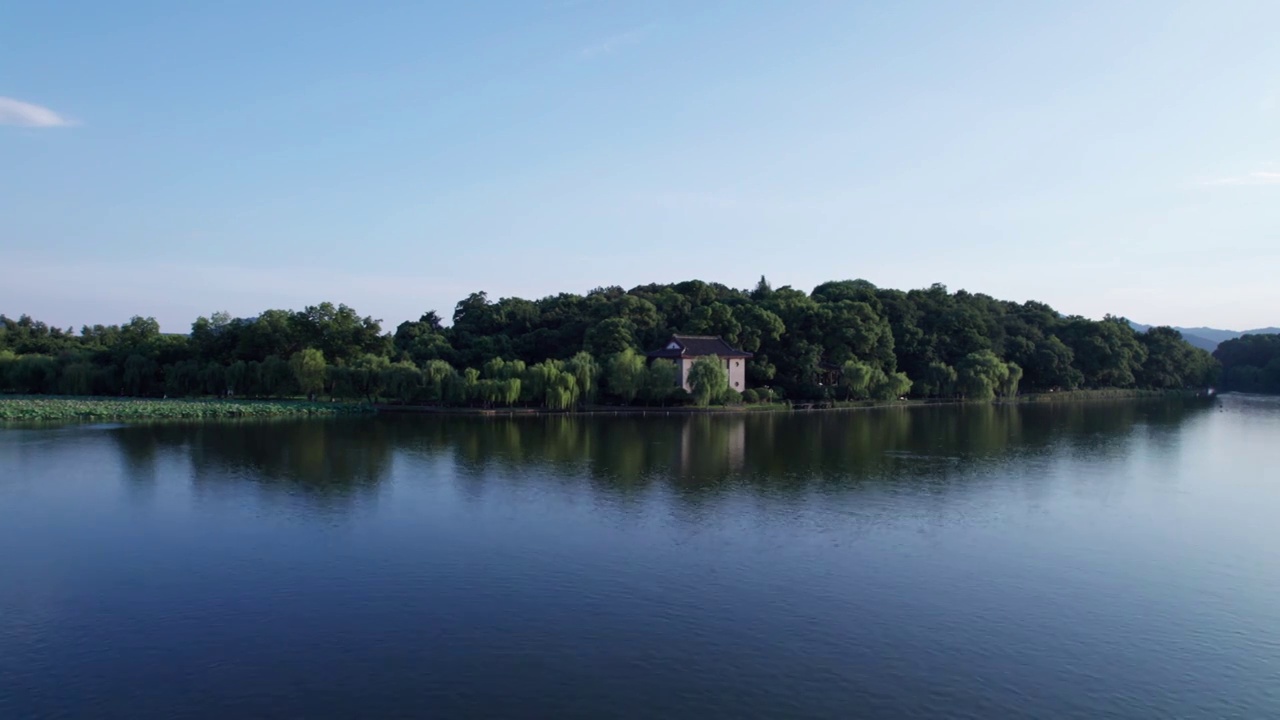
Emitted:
<point x="1098" y="560"/>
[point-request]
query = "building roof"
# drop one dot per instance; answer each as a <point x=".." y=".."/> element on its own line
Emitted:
<point x="684" y="346"/>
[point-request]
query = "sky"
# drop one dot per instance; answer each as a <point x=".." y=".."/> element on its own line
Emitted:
<point x="175" y="159"/>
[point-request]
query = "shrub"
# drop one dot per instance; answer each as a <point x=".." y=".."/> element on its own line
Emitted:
<point x="731" y="397"/>
<point x="750" y="396"/>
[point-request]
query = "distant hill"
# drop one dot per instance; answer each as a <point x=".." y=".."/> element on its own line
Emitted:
<point x="1209" y="338"/>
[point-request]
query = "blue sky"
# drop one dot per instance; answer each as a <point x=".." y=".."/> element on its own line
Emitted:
<point x="173" y="159"/>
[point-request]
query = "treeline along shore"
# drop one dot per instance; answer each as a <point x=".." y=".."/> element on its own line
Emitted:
<point x="844" y="341"/>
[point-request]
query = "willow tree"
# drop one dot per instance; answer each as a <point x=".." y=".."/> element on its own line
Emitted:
<point x="708" y="380"/>
<point x="887" y="386"/>
<point x="625" y="375"/>
<point x="213" y="379"/>
<point x="585" y="373"/>
<point x="1009" y="386"/>
<point x="471" y="384"/>
<point x="539" y="379"/>
<point x="277" y="377"/>
<point x="981" y="374"/>
<point x="435" y="375"/>
<point x="403" y="381"/>
<point x="563" y="393"/>
<point x="856" y="377"/>
<point x="308" y="368"/>
<point x="939" y="380"/>
<point x="511" y="390"/>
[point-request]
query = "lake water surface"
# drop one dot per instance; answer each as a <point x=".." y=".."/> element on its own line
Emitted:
<point x="1104" y="560"/>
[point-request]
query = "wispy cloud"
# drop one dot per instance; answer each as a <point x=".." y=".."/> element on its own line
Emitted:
<point x="25" y="114"/>
<point x="1262" y="177"/>
<point x="613" y="43"/>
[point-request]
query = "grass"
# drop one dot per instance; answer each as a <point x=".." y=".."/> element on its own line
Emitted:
<point x="40" y="408"/>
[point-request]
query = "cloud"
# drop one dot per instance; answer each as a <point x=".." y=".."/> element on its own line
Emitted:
<point x="1262" y="177"/>
<point x="24" y="114"/>
<point x="613" y="43"/>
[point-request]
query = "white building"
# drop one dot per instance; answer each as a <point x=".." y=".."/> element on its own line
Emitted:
<point x="685" y="349"/>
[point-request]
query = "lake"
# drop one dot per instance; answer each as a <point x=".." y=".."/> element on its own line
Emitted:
<point x="1093" y="560"/>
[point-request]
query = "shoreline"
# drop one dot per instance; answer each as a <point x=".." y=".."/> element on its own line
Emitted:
<point x="20" y="408"/>
<point x="835" y="406"/>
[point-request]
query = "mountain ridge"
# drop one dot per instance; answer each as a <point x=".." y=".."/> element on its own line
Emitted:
<point x="1207" y="338"/>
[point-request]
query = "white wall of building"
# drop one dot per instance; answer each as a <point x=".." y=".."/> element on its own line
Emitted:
<point x="736" y="368"/>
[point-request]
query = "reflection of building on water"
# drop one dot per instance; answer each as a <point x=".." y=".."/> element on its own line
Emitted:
<point x="713" y="445"/>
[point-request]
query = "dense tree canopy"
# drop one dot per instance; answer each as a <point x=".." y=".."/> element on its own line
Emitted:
<point x="845" y="339"/>
<point x="1251" y="363"/>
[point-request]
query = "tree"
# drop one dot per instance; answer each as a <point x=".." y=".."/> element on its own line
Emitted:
<point x="77" y="379"/>
<point x="471" y="384"/>
<point x="1009" y="386"/>
<point x="308" y="368"/>
<point x="213" y="379"/>
<point x="856" y="378"/>
<point x="887" y="386"/>
<point x="369" y="374"/>
<point x="435" y="376"/>
<point x="139" y="375"/>
<point x="403" y="381"/>
<point x="939" y="380"/>
<point x="981" y="374"/>
<point x="563" y="392"/>
<point x="797" y="339"/>
<point x="1250" y="363"/>
<point x="182" y="379"/>
<point x="625" y="375"/>
<point x="659" y="381"/>
<point x="585" y="372"/>
<point x="238" y="378"/>
<point x="277" y="377"/>
<point x="708" y="380"/>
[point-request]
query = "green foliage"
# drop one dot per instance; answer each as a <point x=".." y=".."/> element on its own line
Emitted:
<point x="585" y="373"/>
<point x="750" y="396"/>
<point x="846" y="338"/>
<point x="28" y="408"/>
<point x="308" y="368"/>
<point x="660" y="382"/>
<point x="611" y="336"/>
<point x="887" y="386"/>
<point x="77" y="379"/>
<point x="239" y="380"/>
<point x="856" y="377"/>
<point x="939" y="380"/>
<point x="1009" y="386"/>
<point x="277" y="379"/>
<point x="625" y="374"/>
<point x="436" y="374"/>
<point x="182" y="379"/>
<point x="731" y="397"/>
<point x="403" y="381"/>
<point x="981" y="374"/>
<point x="708" y="380"/>
<point x="1250" y="363"/>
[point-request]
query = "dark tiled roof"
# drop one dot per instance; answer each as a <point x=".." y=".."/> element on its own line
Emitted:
<point x="697" y="346"/>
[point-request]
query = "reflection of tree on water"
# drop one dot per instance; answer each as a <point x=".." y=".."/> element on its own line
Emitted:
<point x="776" y="451"/>
<point x="695" y="456"/>
<point x="331" y="456"/>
